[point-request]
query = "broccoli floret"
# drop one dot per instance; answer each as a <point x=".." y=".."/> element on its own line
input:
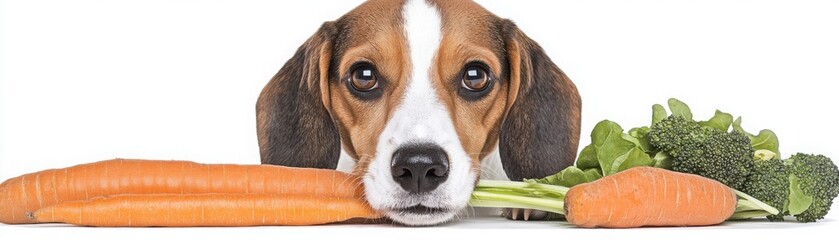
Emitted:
<point x="819" y="179"/>
<point x="724" y="156"/>
<point x="769" y="183"/>
<point x="673" y="133"/>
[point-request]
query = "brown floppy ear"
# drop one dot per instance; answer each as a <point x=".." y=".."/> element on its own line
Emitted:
<point x="293" y="126"/>
<point x="541" y="130"/>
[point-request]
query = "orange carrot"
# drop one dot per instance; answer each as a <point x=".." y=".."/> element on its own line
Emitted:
<point x="27" y="193"/>
<point x="647" y="196"/>
<point x="190" y="210"/>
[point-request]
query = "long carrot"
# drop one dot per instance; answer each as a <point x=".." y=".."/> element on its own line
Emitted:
<point x="29" y="192"/>
<point x="646" y="196"/>
<point x="191" y="210"/>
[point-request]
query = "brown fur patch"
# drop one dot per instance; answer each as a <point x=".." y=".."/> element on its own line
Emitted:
<point x="373" y="33"/>
<point x="470" y="34"/>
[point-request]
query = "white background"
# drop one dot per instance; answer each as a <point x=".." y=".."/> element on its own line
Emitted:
<point x="88" y="80"/>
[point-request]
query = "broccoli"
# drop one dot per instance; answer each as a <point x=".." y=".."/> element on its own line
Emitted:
<point x="818" y="180"/>
<point x="770" y="184"/>
<point x="723" y="156"/>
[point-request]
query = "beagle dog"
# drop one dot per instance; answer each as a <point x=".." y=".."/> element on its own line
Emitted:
<point x="420" y="99"/>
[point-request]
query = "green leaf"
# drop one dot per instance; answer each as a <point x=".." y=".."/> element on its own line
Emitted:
<point x="569" y="177"/>
<point x="766" y="140"/>
<point x="610" y="154"/>
<point x="738" y="128"/>
<point x="550" y="179"/>
<point x="798" y="201"/>
<point x="720" y="121"/>
<point x="659" y="113"/>
<point x="632" y="139"/>
<point x="662" y="160"/>
<point x="680" y="109"/>
<point x="634" y="158"/>
<point x="588" y="158"/>
<point x="605" y="131"/>
<point x="608" y="141"/>
<point x="642" y="139"/>
<point x="593" y="174"/>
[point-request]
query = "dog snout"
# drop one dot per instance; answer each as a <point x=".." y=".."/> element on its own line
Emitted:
<point x="420" y="168"/>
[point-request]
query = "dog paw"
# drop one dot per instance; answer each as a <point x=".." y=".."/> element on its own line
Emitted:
<point x="525" y="214"/>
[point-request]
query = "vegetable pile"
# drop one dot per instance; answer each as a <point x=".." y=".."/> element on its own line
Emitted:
<point x="125" y="192"/>
<point x="803" y="185"/>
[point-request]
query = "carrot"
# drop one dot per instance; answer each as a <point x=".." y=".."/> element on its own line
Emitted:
<point x="29" y="192"/>
<point x="647" y="196"/>
<point x="191" y="210"/>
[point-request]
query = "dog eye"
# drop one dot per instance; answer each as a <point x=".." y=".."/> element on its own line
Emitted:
<point x="475" y="78"/>
<point x="364" y="78"/>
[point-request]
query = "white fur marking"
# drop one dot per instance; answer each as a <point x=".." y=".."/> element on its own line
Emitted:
<point x="345" y="162"/>
<point x="420" y="118"/>
<point x="491" y="167"/>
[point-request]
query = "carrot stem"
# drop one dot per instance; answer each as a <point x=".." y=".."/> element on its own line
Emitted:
<point x="745" y="205"/>
<point x="523" y="186"/>
<point x="748" y="214"/>
<point x="490" y="199"/>
<point x="763" y="206"/>
<point x="510" y="194"/>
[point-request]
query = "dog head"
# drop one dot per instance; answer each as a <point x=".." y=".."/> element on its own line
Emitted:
<point x="418" y="93"/>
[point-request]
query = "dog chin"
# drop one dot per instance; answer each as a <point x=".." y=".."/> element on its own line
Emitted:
<point x="429" y="217"/>
<point x="428" y="209"/>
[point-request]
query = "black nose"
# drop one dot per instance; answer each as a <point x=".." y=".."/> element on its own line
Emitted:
<point x="420" y="168"/>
